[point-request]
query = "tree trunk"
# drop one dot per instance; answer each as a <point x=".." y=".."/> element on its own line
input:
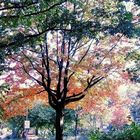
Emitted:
<point x="76" y="124"/>
<point x="59" y="124"/>
<point x="36" y="131"/>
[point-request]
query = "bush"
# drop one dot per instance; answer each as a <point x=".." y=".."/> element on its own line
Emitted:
<point x="129" y="132"/>
<point x="95" y="135"/>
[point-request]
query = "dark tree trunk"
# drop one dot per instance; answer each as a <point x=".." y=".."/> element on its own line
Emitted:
<point x="59" y="124"/>
<point x="36" y="131"/>
<point x="76" y="124"/>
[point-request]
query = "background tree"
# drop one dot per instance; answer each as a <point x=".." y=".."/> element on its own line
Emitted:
<point x="42" y="118"/>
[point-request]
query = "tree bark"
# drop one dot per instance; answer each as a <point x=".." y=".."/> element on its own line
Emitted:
<point x="59" y="124"/>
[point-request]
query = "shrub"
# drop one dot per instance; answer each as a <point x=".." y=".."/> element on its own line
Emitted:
<point x="129" y="132"/>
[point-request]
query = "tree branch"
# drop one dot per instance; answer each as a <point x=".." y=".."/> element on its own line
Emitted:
<point x="76" y="97"/>
<point x="18" y="6"/>
<point x="113" y="47"/>
<point x="85" y="54"/>
<point x="35" y="13"/>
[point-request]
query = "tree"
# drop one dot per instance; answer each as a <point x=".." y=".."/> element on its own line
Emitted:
<point x="56" y="45"/>
<point x="105" y="96"/>
<point x="37" y="116"/>
<point x="16" y="124"/>
<point x="41" y="117"/>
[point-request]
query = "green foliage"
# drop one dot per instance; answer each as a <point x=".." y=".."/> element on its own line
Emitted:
<point x="16" y="124"/>
<point x="4" y="88"/>
<point x="134" y="70"/>
<point x="95" y="135"/>
<point x="128" y="133"/>
<point x="44" y="16"/>
<point x="1" y="113"/>
<point x="41" y="117"/>
<point x="131" y="132"/>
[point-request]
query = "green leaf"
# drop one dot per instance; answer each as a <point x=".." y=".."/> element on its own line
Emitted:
<point x="128" y="16"/>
